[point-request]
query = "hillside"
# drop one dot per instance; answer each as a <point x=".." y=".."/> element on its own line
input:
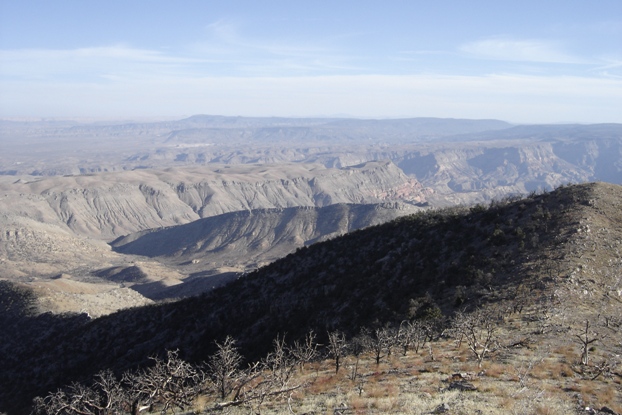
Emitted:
<point x="553" y="256"/>
<point x="58" y="226"/>
<point x="249" y="239"/>
<point x="108" y="205"/>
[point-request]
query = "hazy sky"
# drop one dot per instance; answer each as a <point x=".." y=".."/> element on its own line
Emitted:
<point x="520" y="61"/>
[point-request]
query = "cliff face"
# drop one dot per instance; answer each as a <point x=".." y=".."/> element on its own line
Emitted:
<point x="475" y="172"/>
<point x="109" y="205"/>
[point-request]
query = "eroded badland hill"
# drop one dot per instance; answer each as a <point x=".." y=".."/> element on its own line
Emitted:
<point x="55" y="226"/>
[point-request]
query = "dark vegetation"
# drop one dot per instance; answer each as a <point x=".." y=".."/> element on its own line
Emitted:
<point x="421" y="268"/>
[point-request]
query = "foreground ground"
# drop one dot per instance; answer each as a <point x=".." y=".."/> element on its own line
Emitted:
<point x="530" y="373"/>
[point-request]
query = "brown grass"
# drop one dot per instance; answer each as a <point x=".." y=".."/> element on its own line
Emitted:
<point x="495" y="370"/>
<point x="322" y="384"/>
<point x="415" y="384"/>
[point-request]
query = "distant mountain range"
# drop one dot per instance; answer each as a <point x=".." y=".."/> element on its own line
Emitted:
<point x="462" y="160"/>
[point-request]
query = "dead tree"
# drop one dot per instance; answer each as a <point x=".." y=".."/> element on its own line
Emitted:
<point x="270" y="376"/>
<point x="305" y="351"/>
<point x="170" y="383"/>
<point x="356" y="347"/>
<point x="74" y="400"/>
<point x="412" y="334"/>
<point x="279" y="364"/>
<point x="379" y="342"/>
<point x="478" y="330"/>
<point x="224" y="367"/>
<point x="113" y="396"/>
<point x="105" y="396"/>
<point x="586" y="338"/>
<point x="337" y="347"/>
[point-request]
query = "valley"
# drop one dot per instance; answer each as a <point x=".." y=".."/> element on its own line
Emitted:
<point x="124" y="240"/>
<point x="193" y="203"/>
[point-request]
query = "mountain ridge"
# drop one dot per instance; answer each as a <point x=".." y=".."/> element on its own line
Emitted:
<point x="553" y="254"/>
<point x="256" y="237"/>
<point x="109" y="205"/>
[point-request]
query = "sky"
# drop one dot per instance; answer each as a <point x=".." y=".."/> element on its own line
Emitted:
<point x="544" y="61"/>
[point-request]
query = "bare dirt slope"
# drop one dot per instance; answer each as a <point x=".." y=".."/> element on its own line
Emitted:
<point x="108" y="205"/>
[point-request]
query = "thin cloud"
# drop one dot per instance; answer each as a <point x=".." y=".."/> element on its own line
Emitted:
<point x="507" y="49"/>
<point x="612" y="68"/>
<point x="229" y="34"/>
<point x="515" y="98"/>
<point x="105" y="52"/>
<point x="253" y="56"/>
<point x="83" y="63"/>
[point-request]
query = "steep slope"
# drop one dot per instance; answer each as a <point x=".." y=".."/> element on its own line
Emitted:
<point x="29" y="248"/>
<point x="109" y="205"/>
<point x="554" y="254"/>
<point x="249" y="239"/>
<point x="55" y="225"/>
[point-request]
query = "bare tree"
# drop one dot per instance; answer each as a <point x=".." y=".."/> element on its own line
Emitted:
<point x="167" y="384"/>
<point x="73" y="400"/>
<point x="380" y="342"/>
<point x="305" y="351"/>
<point x="269" y="377"/>
<point x="478" y="330"/>
<point x="279" y="364"/>
<point x="113" y="396"/>
<point x="356" y="347"/>
<point x="586" y="338"/>
<point x="105" y="396"/>
<point x="224" y="366"/>
<point x="412" y="334"/>
<point x="337" y="347"/>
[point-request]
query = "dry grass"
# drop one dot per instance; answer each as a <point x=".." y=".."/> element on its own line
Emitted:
<point x="396" y="387"/>
<point x="540" y="378"/>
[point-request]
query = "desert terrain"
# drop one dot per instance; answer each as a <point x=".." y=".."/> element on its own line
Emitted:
<point x="90" y="209"/>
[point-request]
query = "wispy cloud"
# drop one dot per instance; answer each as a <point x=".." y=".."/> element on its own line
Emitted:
<point x="526" y="99"/>
<point x="611" y="68"/>
<point x="86" y="63"/>
<point x="232" y="73"/>
<point x="530" y="50"/>
<point x="260" y="56"/>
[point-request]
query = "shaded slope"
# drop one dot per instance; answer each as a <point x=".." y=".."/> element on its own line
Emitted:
<point x="249" y="238"/>
<point x="524" y="250"/>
